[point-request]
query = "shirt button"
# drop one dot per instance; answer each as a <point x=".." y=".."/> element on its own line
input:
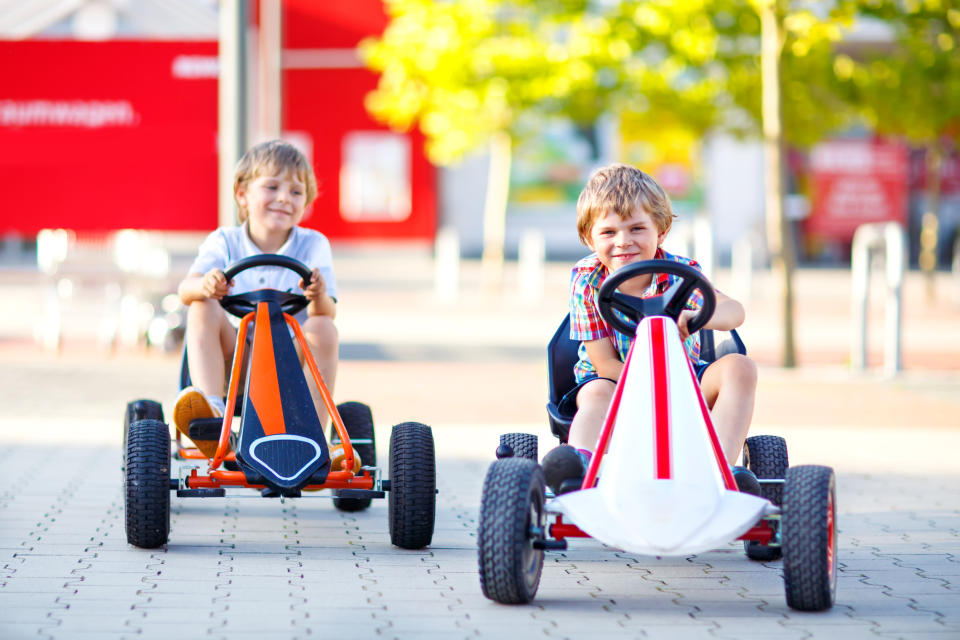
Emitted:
<point x="262" y="280"/>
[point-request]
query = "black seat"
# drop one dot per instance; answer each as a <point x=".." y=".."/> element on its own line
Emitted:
<point x="562" y="357"/>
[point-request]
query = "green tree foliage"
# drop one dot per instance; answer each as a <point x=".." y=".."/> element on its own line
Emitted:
<point x="466" y="69"/>
<point x="910" y="87"/>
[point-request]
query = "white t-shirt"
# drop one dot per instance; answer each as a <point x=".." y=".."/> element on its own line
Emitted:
<point x="227" y="245"/>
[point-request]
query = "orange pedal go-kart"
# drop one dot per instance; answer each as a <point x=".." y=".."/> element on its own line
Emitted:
<point x="280" y="448"/>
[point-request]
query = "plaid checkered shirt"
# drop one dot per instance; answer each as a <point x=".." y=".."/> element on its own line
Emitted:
<point x="587" y="324"/>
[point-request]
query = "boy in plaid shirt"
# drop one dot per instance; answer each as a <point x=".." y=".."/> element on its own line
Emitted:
<point x="623" y="215"/>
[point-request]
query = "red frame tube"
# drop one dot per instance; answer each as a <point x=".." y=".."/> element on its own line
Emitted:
<point x="762" y="532"/>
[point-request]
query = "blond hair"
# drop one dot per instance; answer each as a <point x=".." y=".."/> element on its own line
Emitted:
<point x="274" y="157"/>
<point x="622" y="189"/>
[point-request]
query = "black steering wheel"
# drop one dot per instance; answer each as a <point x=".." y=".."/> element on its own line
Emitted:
<point x="670" y="304"/>
<point x="243" y="303"/>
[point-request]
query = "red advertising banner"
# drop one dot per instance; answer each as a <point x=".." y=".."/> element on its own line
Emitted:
<point x="856" y="182"/>
<point x="97" y="136"/>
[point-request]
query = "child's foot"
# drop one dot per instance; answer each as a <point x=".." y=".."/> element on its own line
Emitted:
<point x="337" y="456"/>
<point x="191" y="405"/>
<point x="563" y="469"/>
<point x="747" y="481"/>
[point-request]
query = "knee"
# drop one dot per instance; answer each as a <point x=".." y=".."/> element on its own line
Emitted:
<point x="202" y="314"/>
<point x="321" y="331"/>
<point x="741" y="371"/>
<point x="597" y="393"/>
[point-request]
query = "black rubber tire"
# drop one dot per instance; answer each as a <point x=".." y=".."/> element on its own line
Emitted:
<point x="809" y="535"/>
<point x="138" y="410"/>
<point x="412" y="500"/>
<point x="512" y="502"/>
<point x="767" y="457"/>
<point x="524" y="445"/>
<point x="358" y="420"/>
<point x="147" y="484"/>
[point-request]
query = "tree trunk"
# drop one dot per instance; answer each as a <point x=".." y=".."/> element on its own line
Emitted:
<point x="495" y="211"/>
<point x="930" y="222"/>
<point x="779" y="235"/>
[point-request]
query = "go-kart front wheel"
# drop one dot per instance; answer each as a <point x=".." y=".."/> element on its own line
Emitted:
<point x="358" y="420"/>
<point x="147" y="484"/>
<point x="809" y="537"/>
<point x="412" y="500"/>
<point x="512" y="518"/>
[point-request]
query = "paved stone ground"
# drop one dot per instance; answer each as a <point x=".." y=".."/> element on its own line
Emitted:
<point x="244" y="566"/>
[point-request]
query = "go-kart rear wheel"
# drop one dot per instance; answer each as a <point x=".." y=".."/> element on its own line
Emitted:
<point x="412" y="499"/>
<point x="809" y="535"/>
<point x="512" y="518"/>
<point x="358" y="420"/>
<point x="138" y="410"/>
<point x="524" y="445"/>
<point x="767" y="457"/>
<point x="147" y="484"/>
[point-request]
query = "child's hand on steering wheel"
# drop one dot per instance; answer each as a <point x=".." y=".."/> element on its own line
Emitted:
<point x="215" y="284"/>
<point x="685" y="316"/>
<point x="317" y="289"/>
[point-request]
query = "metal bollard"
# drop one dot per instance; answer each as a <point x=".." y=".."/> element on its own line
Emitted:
<point x="703" y="243"/>
<point x="447" y="264"/>
<point x="891" y="239"/>
<point x="531" y="255"/>
<point x="741" y="266"/>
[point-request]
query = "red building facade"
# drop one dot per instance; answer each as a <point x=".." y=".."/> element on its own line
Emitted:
<point x="97" y="136"/>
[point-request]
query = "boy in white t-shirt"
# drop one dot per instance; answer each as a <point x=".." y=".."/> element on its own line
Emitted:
<point x="273" y="186"/>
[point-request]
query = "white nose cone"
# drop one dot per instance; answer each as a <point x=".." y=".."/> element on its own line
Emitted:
<point x="662" y="487"/>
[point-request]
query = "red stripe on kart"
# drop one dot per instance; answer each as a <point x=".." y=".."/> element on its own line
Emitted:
<point x="725" y="471"/>
<point x="661" y="399"/>
<point x="264" y="385"/>
<point x="594" y="467"/>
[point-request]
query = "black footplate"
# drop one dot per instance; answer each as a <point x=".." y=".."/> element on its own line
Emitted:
<point x="205" y="428"/>
<point x="201" y="493"/>
<point x="357" y="493"/>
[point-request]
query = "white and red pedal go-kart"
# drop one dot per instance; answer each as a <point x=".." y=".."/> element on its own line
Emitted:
<point x="658" y="483"/>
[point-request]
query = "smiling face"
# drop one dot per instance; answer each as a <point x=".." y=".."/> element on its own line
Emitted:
<point x="274" y="204"/>
<point x="621" y="241"/>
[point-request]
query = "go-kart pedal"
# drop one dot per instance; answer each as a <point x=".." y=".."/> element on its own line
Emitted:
<point x="563" y="469"/>
<point x="747" y="481"/>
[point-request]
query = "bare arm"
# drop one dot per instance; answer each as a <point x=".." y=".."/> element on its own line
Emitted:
<point x="729" y="314"/>
<point x="202" y="286"/>
<point x="321" y="304"/>
<point x="605" y="358"/>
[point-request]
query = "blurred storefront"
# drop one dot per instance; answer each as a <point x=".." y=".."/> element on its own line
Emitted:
<point x="108" y="119"/>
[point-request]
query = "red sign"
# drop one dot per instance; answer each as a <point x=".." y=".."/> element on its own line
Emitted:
<point x="98" y="136"/>
<point x="856" y="182"/>
<point x="107" y="135"/>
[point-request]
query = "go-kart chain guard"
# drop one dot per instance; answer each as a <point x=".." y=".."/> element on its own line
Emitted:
<point x="281" y="442"/>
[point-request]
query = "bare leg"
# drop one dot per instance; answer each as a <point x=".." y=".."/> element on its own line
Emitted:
<point x="729" y="386"/>
<point x="593" y="400"/>
<point x="210" y="341"/>
<point x="323" y="341"/>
